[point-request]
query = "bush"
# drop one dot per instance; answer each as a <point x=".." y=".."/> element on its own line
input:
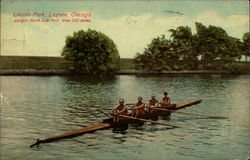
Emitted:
<point x="235" y="67"/>
<point x="91" y="52"/>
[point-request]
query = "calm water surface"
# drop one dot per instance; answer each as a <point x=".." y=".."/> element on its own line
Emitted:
<point x="41" y="106"/>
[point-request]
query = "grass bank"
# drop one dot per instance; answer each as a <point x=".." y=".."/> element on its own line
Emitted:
<point x="30" y="65"/>
<point x="30" y="62"/>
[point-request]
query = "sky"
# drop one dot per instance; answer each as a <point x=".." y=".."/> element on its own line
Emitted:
<point x="130" y="24"/>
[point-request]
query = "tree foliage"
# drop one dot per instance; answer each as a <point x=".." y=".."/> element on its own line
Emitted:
<point x="214" y="45"/>
<point x="166" y="54"/>
<point x="156" y="56"/>
<point x="210" y="48"/>
<point x="183" y="46"/>
<point x="246" y="44"/>
<point x="91" y="52"/>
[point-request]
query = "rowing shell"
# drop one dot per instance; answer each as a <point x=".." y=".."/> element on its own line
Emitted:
<point x="107" y="123"/>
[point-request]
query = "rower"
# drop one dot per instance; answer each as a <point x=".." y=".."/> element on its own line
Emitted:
<point x="166" y="102"/>
<point x="152" y="103"/>
<point x="121" y="109"/>
<point x="138" y="109"/>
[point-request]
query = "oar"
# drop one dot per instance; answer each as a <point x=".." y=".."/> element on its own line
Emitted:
<point x="146" y="120"/>
<point x="129" y="104"/>
<point x="195" y="114"/>
<point x="103" y="108"/>
<point x="107" y="108"/>
<point x="37" y="143"/>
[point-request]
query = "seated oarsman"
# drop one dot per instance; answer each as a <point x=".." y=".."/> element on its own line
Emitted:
<point x="119" y="110"/>
<point x="152" y="103"/>
<point x="138" y="109"/>
<point x="166" y="102"/>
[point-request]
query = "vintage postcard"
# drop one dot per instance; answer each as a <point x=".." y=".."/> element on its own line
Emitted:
<point x="118" y="80"/>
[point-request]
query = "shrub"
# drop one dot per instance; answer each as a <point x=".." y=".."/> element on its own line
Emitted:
<point x="235" y="67"/>
<point x="91" y="52"/>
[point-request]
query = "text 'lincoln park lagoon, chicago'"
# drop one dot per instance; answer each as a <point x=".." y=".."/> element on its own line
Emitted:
<point x="52" y="17"/>
<point x="51" y="14"/>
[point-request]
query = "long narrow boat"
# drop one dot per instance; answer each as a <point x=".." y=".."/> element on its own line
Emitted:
<point x="108" y="123"/>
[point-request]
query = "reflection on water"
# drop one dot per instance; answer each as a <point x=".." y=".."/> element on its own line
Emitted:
<point x="43" y="106"/>
<point x="120" y="129"/>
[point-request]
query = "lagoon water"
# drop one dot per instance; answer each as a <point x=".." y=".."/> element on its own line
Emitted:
<point x="41" y="106"/>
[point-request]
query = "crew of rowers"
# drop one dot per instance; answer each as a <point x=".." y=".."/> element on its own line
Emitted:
<point x="139" y="109"/>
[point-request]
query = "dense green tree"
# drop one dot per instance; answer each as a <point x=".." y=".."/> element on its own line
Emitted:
<point x="246" y="44"/>
<point x="155" y="56"/>
<point x="91" y="52"/>
<point x="183" y="41"/>
<point x="206" y="40"/>
<point x="230" y="50"/>
<point x="164" y="54"/>
<point x="215" y="46"/>
<point x="210" y="48"/>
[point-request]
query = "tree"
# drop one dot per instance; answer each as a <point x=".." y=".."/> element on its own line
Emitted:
<point x="246" y="44"/>
<point x="183" y="41"/>
<point x="206" y="44"/>
<point x="157" y="56"/>
<point x="230" y="50"/>
<point x="91" y="52"/>
<point x="174" y="54"/>
<point x="215" y="46"/>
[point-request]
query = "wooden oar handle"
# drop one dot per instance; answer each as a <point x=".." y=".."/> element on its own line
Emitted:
<point x="146" y="120"/>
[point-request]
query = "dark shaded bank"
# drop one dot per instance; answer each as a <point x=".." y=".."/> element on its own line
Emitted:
<point x="121" y="72"/>
<point x="35" y="72"/>
<point x="30" y="65"/>
<point x="47" y="63"/>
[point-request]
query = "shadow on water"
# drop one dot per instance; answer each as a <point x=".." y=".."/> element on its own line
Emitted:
<point x="209" y="76"/>
<point x="137" y="124"/>
<point x="154" y="118"/>
<point x="90" y="79"/>
<point x="120" y="129"/>
<point x="167" y="117"/>
<point x="218" y="76"/>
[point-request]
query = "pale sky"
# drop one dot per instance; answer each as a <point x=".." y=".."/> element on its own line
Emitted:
<point x="131" y="24"/>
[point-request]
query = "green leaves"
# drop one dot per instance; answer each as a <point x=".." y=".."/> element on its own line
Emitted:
<point x="215" y="45"/>
<point x="91" y="51"/>
<point x="210" y="48"/>
<point x="246" y="44"/>
<point x="163" y="54"/>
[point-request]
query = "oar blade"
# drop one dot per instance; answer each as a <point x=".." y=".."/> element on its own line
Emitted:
<point x="218" y="117"/>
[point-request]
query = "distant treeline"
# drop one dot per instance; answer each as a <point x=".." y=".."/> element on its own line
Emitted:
<point x="211" y="48"/>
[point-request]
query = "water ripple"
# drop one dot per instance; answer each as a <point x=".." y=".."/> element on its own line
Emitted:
<point x="39" y="107"/>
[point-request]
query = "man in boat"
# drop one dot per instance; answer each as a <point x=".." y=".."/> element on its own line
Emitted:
<point x="166" y="102"/>
<point x="119" y="110"/>
<point x="152" y="103"/>
<point x="138" y="109"/>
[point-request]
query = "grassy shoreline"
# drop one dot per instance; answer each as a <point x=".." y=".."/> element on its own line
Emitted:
<point x="32" y="62"/>
<point x="31" y="65"/>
